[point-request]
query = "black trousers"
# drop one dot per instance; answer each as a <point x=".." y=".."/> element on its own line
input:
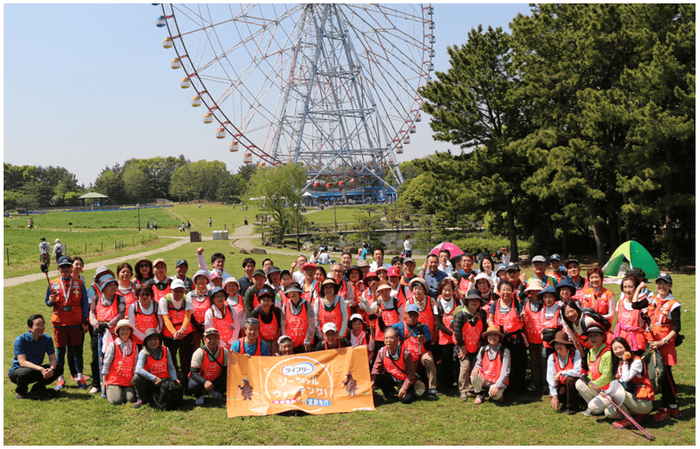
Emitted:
<point x="389" y="384"/>
<point x="197" y="389"/>
<point x="181" y="350"/>
<point x="24" y="377"/>
<point x="567" y="392"/>
<point x="668" y="388"/>
<point x="518" y="361"/>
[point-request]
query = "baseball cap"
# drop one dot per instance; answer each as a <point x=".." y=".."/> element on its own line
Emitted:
<point x="181" y="262"/>
<point x="177" y="283"/>
<point x="512" y="266"/>
<point x="539" y="259"/>
<point x="664" y="277"/>
<point x="211" y="331"/>
<point x="329" y="327"/>
<point x="159" y="260"/>
<point x="500" y="267"/>
<point x="308" y="265"/>
<point x="259" y="272"/>
<point x="555" y="256"/>
<point x="362" y="263"/>
<point x="356" y="316"/>
<point x="64" y="260"/>
<point x="393" y="271"/>
<point x="409" y="259"/>
<point x="266" y="291"/>
<point x="412" y="308"/>
<point x="283" y="338"/>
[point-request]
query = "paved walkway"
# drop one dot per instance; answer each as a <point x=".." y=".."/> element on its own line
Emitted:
<point x="242" y="239"/>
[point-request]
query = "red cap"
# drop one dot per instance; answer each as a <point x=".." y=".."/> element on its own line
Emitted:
<point x="308" y="265"/>
<point x="394" y="271"/>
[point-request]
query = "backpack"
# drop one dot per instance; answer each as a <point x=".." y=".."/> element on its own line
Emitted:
<point x="168" y="396"/>
<point x="655" y="366"/>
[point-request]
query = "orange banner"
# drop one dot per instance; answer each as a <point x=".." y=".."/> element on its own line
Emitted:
<point x="332" y="381"/>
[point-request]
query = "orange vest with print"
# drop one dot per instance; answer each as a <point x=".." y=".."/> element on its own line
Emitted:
<point x="143" y="322"/>
<point x="224" y="325"/>
<point x="593" y="367"/>
<point x="158" y="368"/>
<point x="661" y="326"/>
<point x="122" y="369"/>
<point x="643" y="389"/>
<point x="270" y="331"/>
<point x="510" y="321"/>
<point x="491" y="369"/>
<point x="296" y="326"/>
<point x="396" y="368"/>
<point x="210" y="369"/>
<point x="67" y="311"/>
<point x="533" y="324"/>
<point x="106" y="313"/>
<point x="177" y="317"/>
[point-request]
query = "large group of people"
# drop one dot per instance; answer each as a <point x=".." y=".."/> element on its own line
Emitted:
<point x="445" y="324"/>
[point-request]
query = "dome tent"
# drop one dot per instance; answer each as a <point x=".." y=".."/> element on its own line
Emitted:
<point x="630" y="255"/>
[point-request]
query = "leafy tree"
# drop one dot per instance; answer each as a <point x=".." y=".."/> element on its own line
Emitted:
<point x="136" y="183"/>
<point x="279" y="189"/>
<point x="110" y="183"/>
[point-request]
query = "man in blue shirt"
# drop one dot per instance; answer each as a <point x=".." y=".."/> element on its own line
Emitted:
<point x="252" y="344"/>
<point x="416" y="338"/>
<point x="27" y="367"/>
<point x="432" y="275"/>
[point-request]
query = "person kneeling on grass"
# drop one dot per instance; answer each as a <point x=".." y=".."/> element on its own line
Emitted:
<point x="251" y="344"/>
<point x="331" y="340"/>
<point x="208" y="368"/>
<point x="27" y="367"/>
<point x="154" y="365"/>
<point x="394" y="367"/>
<point x="492" y="367"/>
<point x="599" y="373"/>
<point x="416" y="338"/>
<point x="286" y="345"/>
<point x="118" y="365"/>
<point x="563" y="370"/>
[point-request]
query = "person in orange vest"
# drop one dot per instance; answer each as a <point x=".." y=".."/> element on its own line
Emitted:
<point x="153" y="365"/>
<point x="224" y="318"/>
<point x="175" y="313"/>
<point x="144" y="271"/>
<point x="251" y="344"/>
<point x="563" y="370"/>
<point x="532" y="306"/>
<point x="506" y="313"/>
<point x="359" y="335"/>
<point x="331" y="340"/>
<point x="598" y="297"/>
<point x="298" y="319"/>
<point x="492" y="367"/>
<point x="599" y="373"/>
<point x="665" y="327"/>
<point x="409" y="268"/>
<point x="331" y="308"/>
<point x="199" y="298"/>
<point x="68" y="298"/>
<point x="143" y="314"/>
<point x="208" y="368"/>
<point x="630" y="322"/>
<point x="393" y="368"/>
<point x="161" y="281"/>
<point x="416" y="338"/>
<point x="250" y="298"/>
<point x="270" y="317"/>
<point x="631" y="373"/>
<point x="555" y="263"/>
<point x="344" y="287"/>
<point x="469" y="324"/>
<point x="119" y="364"/>
<point x="447" y="306"/>
<point x="573" y="268"/>
<point x="401" y="292"/>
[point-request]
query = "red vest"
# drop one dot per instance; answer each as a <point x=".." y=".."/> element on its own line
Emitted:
<point x="177" y="317"/>
<point x="389" y="316"/>
<point x="271" y="331"/>
<point x="224" y="325"/>
<point x="158" y="368"/>
<point x="396" y="368"/>
<point x="238" y="307"/>
<point x="426" y="316"/>
<point x="593" y="367"/>
<point x="471" y="335"/>
<point x="296" y="326"/>
<point x="410" y="342"/>
<point x="661" y="326"/>
<point x="628" y="326"/>
<point x="129" y="298"/>
<point x="509" y="321"/>
<point x="447" y="318"/>
<point x="491" y="369"/>
<point x="143" y="322"/>
<point x="569" y="365"/>
<point x="643" y="388"/>
<point x="599" y="302"/>
<point x="157" y="294"/>
<point x="332" y="316"/>
<point x="107" y="313"/>
<point x="551" y="323"/>
<point x="241" y="346"/>
<point x="343" y="290"/>
<point x="122" y="369"/>
<point x="67" y="311"/>
<point x="210" y="369"/>
<point x="200" y="308"/>
<point x="533" y="324"/>
<point x="401" y="296"/>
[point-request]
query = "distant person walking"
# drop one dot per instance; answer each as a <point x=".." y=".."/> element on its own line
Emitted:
<point x="44" y="249"/>
<point x="59" y="249"/>
<point x="155" y="224"/>
<point x="210" y="222"/>
<point x="245" y="221"/>
<point x="31" y="223"/>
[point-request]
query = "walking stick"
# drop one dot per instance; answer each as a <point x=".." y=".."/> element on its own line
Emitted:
<point x="625" y="414"/>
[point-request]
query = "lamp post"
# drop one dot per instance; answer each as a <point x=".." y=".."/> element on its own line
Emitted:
<point x="334" y="215"/>
<point x="296" y="219"/>
<point x="138" y="212"/>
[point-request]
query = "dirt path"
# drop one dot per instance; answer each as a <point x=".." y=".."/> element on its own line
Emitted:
<point x="243" y="239"/>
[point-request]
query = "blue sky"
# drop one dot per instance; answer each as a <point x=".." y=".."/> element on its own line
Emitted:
<point x="89" y="85"/>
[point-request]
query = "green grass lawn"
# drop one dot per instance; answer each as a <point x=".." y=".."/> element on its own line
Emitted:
<point x="92" y="245"/>
<point x="78" y="418"/>
<point x="95" y="219"/>
<point x="220" y="215"/>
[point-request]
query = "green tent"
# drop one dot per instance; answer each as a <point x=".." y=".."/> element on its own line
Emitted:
<point x="631" y="255"/>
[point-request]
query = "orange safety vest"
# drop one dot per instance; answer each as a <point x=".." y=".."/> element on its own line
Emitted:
<point x="200" y="307"/>
<point x="389" y="316"/>
<point x="129" y="298"/>
<point x="224" y="325"/>
<point x="329" y="316"/>
<point x="67" y="311"/>
<point x="661" y="326"/>
<point x="471" y="335"/>
<point x="551" y="323"/>
<point x="106" y="313"/>
<point x="296" y="326"/>
<point x="157" y="294"/>
<point x="144" y="322"/>
<point x="158" y="368"/>
<point x="411" y="343"/>
<point x="447" y="318"/>
<point x="533" y="324"/>
<point x="491" y="369"/>
<point x="600" y="302"/>
<point x="177" y="317"/>
<point x="241" y="346"/>
<point x="396" y="368"/>
<point x="271" y="331"/>
<point x="210" y="369"/>
<point x="401" y="296"/>
<point x="238" y="307"/>
<point x="568" y="366"/>
<point x="593" y="367"/>
<point x="122" y="369"/>
<point x="643" y="388"/>
<point x="510" y="321"/>
<point x="629" y="325"/>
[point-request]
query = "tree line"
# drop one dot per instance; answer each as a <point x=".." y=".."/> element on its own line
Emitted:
<point x="136" y="181"/>
<point x="577" y="129"/>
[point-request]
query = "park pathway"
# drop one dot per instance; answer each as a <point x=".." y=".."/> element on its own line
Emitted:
<point x="11" y="282"/>
<point x="243" y="239"/>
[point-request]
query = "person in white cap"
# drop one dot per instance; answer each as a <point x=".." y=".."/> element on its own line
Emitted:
<point x="286" y="345"/>
<point x="199" y="298"/>
<point x="118" y="365"/>
<point x="208" y="368"/>
<point x="59" y="249"/>
<point x="531" y="307"/>
<point x="175" y="313"/>
<point x="331" y="339"/>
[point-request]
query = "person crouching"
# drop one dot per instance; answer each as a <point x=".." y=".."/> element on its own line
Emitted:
<point x="154" y="365"/>
<point x="394" y="367"/>
<point x="208" y="368"/>
<point x="492" y="367"/>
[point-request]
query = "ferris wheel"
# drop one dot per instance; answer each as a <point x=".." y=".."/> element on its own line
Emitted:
<point x="334" y="87"/>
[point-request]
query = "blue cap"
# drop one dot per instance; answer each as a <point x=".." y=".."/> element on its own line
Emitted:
<point x="106" y="280"/>
<point x="412" y="308"/>
<point x="216" y="290"/>
<point x="501" y="266"/>
<point x="566" y="282"/>
<point x="555" y="256"/>
<point x="548" y="289"/>
<point x="664" y="277"/>
<point x="181" y="262"/>
<point x="64" y="260"/>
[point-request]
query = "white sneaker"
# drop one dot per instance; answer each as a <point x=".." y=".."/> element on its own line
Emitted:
<point x="587" y="412"/>
<point x="94" y="390"/>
